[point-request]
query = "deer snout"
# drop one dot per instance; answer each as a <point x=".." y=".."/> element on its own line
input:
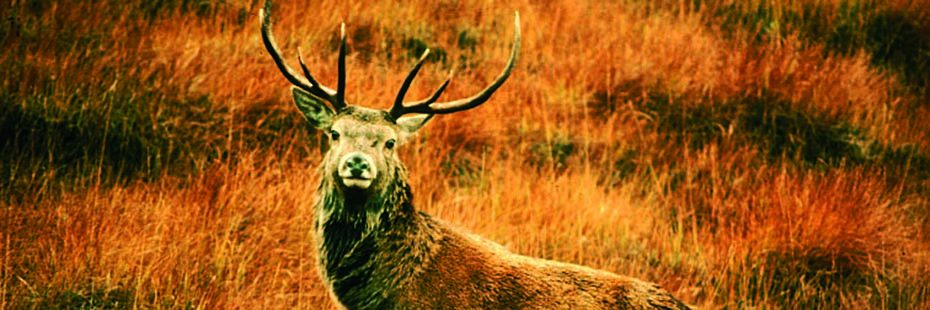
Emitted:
<point x="356" y="170"/>
<point x="356" y="166"/>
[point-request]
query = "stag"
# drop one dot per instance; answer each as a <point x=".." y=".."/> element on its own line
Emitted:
<point x="375" y="251"/>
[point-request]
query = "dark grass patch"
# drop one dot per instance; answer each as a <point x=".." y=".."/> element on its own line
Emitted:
<point x="83" y="299"/>
<point x="809" y="283"/>
<point x="467" y="41"/>
<point x="27" y="24"/>
<point x="782" y="133"/>
<point x="552" y="153"/>
<point x="115" y="127"/>
<point x="26" y="30"/>
<point x="148" y="10"/>
<point x="782" y="130"/>
<point x="456" y="51"/>
<point x="158" y="8"/>
<point x="461" y="169"/>
<point x="609" y="100"/>
<point x="363" y="41"/>
<point x="467" y="38"/>
<point x="415" y="47"/>
<point x="624" y="166"/>
<point x="118" y="140"/>
<point x="907" y="158"/>
<point x="901" y="42"/>
<point x="774" y="125"/>
<point x="897" y="39"/>
<point x="90" y="297"/>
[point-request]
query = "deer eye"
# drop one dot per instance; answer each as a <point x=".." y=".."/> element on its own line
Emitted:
<point x="389" y="144"/>
<point x="334" y="135"/>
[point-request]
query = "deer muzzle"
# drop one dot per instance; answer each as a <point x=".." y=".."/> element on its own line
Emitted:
<point x="356" y="170"/>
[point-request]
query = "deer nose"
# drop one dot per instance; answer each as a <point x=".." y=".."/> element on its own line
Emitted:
<point x="356" y="165"/>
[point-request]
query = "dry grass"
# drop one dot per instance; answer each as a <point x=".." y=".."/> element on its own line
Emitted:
<point x="152" y="156"/>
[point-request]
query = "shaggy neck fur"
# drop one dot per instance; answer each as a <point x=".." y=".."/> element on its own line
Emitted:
<point x="365" y="239"/>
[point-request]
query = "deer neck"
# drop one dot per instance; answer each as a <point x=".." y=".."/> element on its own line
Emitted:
<point x="365" y="212"/>
<point x="353" y="228"/>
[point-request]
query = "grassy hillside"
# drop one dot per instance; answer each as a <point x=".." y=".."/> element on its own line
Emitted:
<point x="739" y="153"/>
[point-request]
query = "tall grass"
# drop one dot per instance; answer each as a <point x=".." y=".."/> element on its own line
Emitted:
<point x="741" y="154"/>
<point x="895" y="33"/>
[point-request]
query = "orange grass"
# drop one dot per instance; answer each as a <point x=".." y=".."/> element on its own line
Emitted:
<point x="539" y="168"/>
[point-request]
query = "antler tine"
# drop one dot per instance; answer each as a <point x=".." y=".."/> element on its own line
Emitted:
<point x="320" y="90"/>
<point x="308" y="83"/>
<point x="398" y="108"/>
<point x="426" y="102"/>
<point x="422" y="106"/>
<point x="341" y="84"/>
<point x="272" y="47"/>
<point x="428" y="107"/>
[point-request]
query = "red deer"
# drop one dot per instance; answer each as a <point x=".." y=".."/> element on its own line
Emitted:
<point x="376" y="251"/>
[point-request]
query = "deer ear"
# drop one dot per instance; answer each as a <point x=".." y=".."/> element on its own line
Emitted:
<point x="410" y="124"/>
<point x="312" y="107"/>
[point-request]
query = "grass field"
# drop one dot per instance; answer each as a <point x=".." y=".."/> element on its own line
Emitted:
<point x="763" y="153"/>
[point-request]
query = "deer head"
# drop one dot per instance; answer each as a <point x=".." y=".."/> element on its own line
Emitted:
<point x="363" y="141"/>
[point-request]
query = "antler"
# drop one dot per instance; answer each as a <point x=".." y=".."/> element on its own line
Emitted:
<point x="430" y="106"/>
<point x="307" y="83"/>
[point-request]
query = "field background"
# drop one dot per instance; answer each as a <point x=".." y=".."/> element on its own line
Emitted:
<point x="766" y="154"/>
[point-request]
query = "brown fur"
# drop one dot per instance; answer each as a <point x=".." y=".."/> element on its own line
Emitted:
<point x="468" y="272"/>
